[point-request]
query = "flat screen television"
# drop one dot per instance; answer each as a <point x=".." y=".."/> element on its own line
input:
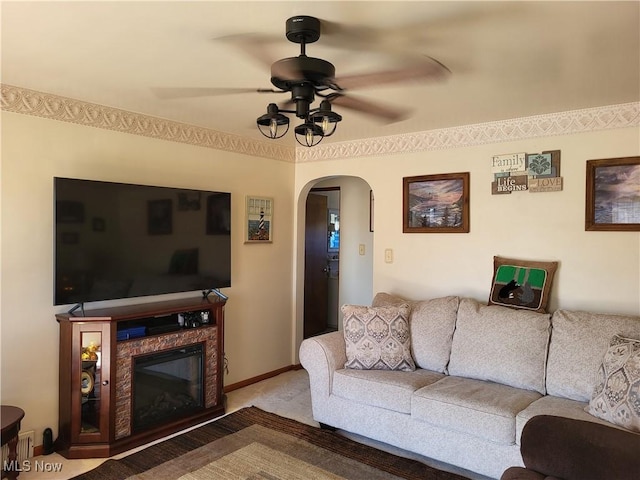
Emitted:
<point x="117" y="240"/>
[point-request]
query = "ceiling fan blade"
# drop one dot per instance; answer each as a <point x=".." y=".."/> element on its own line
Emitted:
<point x="427" y="26"/>
<point x="253" y="45"/>
<point x="390" y="114"/>
<point x="167" y="93"/>
<point x="431" y="69"/>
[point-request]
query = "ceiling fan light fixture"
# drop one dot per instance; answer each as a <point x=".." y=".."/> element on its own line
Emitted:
<point x="269" y="124"/>
<point x="309" y="134"/>
<point x="326" y="118"/>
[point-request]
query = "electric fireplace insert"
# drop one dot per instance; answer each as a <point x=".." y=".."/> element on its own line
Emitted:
<point x="167" y="385"/>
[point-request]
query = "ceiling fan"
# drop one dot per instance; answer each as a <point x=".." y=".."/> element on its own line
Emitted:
<point x="306" y="77"/>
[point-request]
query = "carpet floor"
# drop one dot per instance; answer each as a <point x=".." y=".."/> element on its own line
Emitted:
<point x="253" y="444"/>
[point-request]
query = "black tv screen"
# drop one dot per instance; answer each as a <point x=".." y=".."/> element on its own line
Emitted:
<point x="117" y="240"/>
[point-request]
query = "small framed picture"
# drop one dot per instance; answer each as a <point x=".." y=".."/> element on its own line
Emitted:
<point x="259" y="220"/>
<point x="613" y="194"/>
<point x="436" y="203"/>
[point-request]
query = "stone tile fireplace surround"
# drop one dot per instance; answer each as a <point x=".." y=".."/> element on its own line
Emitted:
<point x="126" y="351"/>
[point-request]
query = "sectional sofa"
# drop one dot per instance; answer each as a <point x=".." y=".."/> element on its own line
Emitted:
<point x="473" y="377"/>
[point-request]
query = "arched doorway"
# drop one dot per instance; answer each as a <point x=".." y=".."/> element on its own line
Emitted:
<point x="321" y="260"/>
<point x="346" y="268"/>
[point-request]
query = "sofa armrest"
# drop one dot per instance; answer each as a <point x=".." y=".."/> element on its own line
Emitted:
<point x="321" y="356"/>
<point x="577" y="449"/>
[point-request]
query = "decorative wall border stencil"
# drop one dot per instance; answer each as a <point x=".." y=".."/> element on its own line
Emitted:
<point x="563" y="123"/>
<point x="30" y="102"/>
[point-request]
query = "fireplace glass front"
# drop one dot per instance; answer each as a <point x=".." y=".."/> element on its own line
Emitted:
<point x="167" y="385"/>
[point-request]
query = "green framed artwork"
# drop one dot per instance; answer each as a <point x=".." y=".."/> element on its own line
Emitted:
<point x="521" y="284"/>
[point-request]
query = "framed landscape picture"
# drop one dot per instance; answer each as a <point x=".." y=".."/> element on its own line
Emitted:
<point x="613" y="194"/>
<point x="436" y="203"/>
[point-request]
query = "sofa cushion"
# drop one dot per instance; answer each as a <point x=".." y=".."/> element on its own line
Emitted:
<point x="378" y="338"/>
<point x="483" y="409"/>
<point x="616" y="397"/>
<point x="432" y="323"/>
<point x="579" y="341"/>
<point x="382" y="388"/>
<point x="501" y="345"/>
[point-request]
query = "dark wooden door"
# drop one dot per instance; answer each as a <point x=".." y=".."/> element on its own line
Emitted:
<point x="316" y="285"/>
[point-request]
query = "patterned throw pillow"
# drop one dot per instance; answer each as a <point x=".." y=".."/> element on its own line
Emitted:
<point x="616" y="397"/>
<point x="378" y="338"/>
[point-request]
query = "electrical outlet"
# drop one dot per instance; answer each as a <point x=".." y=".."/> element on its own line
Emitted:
<point x="388" y="255"/>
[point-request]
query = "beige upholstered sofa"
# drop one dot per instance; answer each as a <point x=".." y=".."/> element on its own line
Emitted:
<point x="481" y="373"/>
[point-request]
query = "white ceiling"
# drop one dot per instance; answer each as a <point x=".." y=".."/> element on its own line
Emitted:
<point x="508" y="59"/>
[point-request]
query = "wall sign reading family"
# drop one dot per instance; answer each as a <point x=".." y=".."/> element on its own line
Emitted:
<point x="259" y="220"/>
<point x="535" y="172"/>
<point x="436" y="203"/>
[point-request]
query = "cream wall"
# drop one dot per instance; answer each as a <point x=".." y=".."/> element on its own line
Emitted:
<point x="597" y="271"/>
<point x="34" y="150"/>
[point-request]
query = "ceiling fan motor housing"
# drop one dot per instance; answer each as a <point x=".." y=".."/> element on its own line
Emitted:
<point x="303" y="28"/>
<point x="293" y="70"/>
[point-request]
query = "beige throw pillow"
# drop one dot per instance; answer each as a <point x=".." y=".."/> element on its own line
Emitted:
<point x="378" y="338"/>
<point x="616" y="397"/>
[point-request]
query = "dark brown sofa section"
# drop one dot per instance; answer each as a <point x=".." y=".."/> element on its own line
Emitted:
<point x="558" y="448"/>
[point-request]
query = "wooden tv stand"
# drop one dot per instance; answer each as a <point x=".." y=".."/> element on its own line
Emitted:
<point x="97" y="351"/>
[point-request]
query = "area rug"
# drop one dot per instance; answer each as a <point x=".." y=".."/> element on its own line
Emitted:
<point x="253" y="444"/>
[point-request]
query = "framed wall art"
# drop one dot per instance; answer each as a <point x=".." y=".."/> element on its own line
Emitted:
<point x="436" y="203"/>
<point x="613" y="194"/>
<point x="259" y="220"/>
